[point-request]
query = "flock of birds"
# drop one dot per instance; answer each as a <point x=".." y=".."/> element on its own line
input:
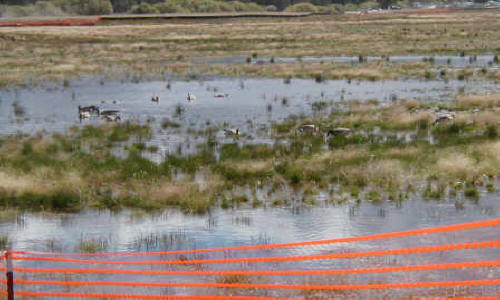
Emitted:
<point x="441" y="118"/>
<point x="86" y="112"/>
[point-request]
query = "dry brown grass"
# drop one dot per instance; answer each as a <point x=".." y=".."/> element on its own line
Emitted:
<point x="478" y="101"/>
<point x="251" y="166"/>
<point x="398" y="116"/>
<point x="384" y="173"/>
<point x="488" y="157"/>
<point x="120" y="48"/>
<point x="41" y="182"/>
<point x="456" y="165"/>
<point x="481" y="118"/>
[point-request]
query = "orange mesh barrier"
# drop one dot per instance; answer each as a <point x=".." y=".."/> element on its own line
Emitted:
<point x="268" y="286"/>
<point x="272" y="259"/>
<point x="435" y="230"/>
<point x="455" y="262"/>
<point x="481" y="264"/>
<point x="129" y="296"/>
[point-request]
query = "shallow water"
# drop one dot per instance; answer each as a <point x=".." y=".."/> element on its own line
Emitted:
<point x="247" y="107"/>
<point x="452" y="61"/>
<point x="171" y="230"/>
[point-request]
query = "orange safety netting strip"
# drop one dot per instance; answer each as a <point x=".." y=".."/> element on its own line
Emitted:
<point x="460" y="265"/>
<point x="265" y="285"/>
<point x="132" y="296"/>
<point x="441" y="229"/>
<point x="275" y="259"/>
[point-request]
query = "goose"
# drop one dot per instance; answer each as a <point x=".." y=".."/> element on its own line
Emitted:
<point x="339" y="131"/>
<point x="155" y="99"/>
<point x="112" y="118"/>
<point x="110" y="112"/>
<point x="84" y="115"/>
<point x="221" y="95"/>
<point x="92" y="109"/>
<point x="444" y="118"/>
<point x="232" y="131"/>
<point x="191" y="97"/>
<point x="309" y="128"/>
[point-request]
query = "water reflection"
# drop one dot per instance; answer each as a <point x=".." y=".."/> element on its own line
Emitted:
<point x="137" y="231"/>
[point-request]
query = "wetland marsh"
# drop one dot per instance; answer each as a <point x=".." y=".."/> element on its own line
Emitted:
<point x="168" y="168"/>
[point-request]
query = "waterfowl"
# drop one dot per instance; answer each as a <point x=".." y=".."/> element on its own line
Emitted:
<point x="112" y="118"/>
<point x="155" y="99"/>
<point x="221" y="95"/>
<point x="444" y="118"/>
<point x="309" y="128"/>
<point x="110" y="112"/>
<point x="339" y="131"/>
<point x="84" y="115"/>
<point x="232" y="131"/>
<point x="92" y="109"/>
<point x="191" y="97"/>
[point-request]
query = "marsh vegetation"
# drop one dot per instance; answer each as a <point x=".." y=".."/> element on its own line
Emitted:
<point x="392" y="152"/>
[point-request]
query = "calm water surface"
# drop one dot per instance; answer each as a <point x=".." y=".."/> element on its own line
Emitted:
<point x="170" y="229"/>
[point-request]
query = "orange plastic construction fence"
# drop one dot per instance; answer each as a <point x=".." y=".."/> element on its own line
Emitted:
<point x="267" y="286"/>
<point x="272" y="259"/>
<point x="165" y="297"/>
<point x="434" y="230"/>
<point x="456" y="261"/>
<point x="461" y="265"/>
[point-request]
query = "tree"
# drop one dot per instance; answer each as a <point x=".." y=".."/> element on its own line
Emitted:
<point x="384" y="4"/>
<point x="99" y="7"/>
<point x="123" y="5"/>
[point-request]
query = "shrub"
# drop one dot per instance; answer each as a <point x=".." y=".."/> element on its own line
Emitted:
<point x="271" y="8"/>
<point x="302" y="7"/>
<point x="254" y="7"/>
<point x="144" y="8"/>
<point x="368" y="4"/>
<point x="170" y="7"/>
<point x="85" y="7"/>
<point x="99" y="7"/>
<point x="46" y="8"/>
<point x="20" y="11"/>
<point x="491" y="132"/>
<point x="4" y="242"/>
<point x="238" y="6"/>
<point x="472" y="192"/>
